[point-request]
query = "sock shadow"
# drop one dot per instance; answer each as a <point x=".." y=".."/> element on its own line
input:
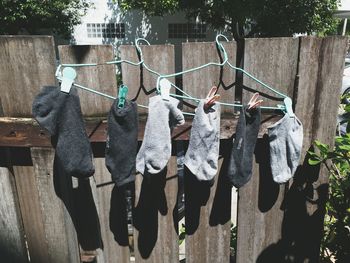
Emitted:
<point x="301" y="230"/>
<point x="268" y="189"/>
<point x="118" y="214"/>
<point x="81" y="207"/>
<point x="196" y="195"/>
<point x="152" y="200"/>
<point x="221" y="209"/>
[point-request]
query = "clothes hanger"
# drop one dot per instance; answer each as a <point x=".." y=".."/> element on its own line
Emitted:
<point x="68" y="75"/>
<point x="287" y="107"/>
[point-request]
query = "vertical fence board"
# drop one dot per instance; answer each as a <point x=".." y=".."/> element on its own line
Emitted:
<point x="27" y="63"/>
<point x="33" y="218"/>
<point x="320" y="77"/>
<point x="142" y="83"/>
<point x="12" y="244"/>
<point x="273" y="61"/>
<point x="101" y="78"/>
<point x="207" y="228"/>
<point x="198" y="83"/>
<point x="60" y="235"/>
<point x="259" y="206"/>
<point x="207" y="219"/>
<point x="155" y="217"/>
<point x="115" y="250"/>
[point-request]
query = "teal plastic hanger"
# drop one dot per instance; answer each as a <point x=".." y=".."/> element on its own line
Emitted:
<point x="123" y="91"/>
<point x="225" y="62"/>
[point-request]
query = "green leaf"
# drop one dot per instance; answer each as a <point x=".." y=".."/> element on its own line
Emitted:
<point x="313" y="161"/>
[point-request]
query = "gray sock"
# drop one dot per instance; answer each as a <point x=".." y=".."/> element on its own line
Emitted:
<point x="155" y="150"/>
<point x="121" y="144"/>
<point x="203" y="151"/>
<point x="241" y="159"/>
<point x="60" y="114"/>
<point x="286" y="141"/>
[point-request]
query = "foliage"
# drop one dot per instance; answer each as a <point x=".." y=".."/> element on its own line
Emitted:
<point x="263" y="17"/>
<point x="35" y="16"/>
<point x="335" y="244"/>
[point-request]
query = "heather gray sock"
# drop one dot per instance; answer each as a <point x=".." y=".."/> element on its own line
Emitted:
<point x="155" y="150"/>
<point x="286" y="141"/>
<point x="121" y="144"/>
<point x="60" y="114"/>
<point x="203" y="151"/>
<point x="241" y="159"/>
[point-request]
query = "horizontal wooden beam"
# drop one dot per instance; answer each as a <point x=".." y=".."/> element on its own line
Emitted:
<point x="25" y="132"/>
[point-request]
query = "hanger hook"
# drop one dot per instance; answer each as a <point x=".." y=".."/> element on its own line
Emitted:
<point x="221" y="47"/>
<point x="138" y="46"/>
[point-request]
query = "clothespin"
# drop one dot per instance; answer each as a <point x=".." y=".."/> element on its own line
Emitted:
<point x="165" y="86"/>
<point x="211" y="97"/>
<point x="123" y="91"/>
<point x="254" y="102"/>
<point x="288" y="106"/>
<point x="68" y="76"/>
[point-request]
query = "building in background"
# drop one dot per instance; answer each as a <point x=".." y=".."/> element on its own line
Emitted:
<point x="106" y="24"/>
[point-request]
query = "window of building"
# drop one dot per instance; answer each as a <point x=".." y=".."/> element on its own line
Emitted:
<point x="188" y="30"/>
<point x="105" y="30"/>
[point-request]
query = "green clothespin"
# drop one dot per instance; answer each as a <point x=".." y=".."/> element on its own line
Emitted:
<point x="123" y="91"/>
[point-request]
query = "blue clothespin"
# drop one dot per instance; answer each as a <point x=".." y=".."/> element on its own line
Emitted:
<point x="68" y="76"/>
<point x="123" y="91"/>
<point x="288" y="106"/>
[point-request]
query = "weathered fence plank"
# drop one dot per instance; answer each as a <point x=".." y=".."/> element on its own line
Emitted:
<point x="32" y="214"/>
<point x="111" y="214"/>
<point x="27" y="63"/>
<point x="101" y="78"/>
<point x="207" y="218"/>
<point x="198" y="83"/>
<point x="155" y="217"/>
<point x="12" y="244"/>
<point x="142" y="83"/>
<point x="320" y="77"/>
<point x="259" y="214"/>
<point x="60" y="235"/>
<point x="207" y="223"/>
<point x="273" y="61"/>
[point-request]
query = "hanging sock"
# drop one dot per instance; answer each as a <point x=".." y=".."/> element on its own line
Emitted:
<point x="203" y="151"/>
<point x="286" y="141"/>
<point x="121" y="144"/>
<point x="155" y="150"/>
<point x="60" y="114"/>
<point x="241" y="159"/>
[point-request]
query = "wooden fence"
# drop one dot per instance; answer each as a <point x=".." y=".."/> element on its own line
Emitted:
<point x="276" y="223"/>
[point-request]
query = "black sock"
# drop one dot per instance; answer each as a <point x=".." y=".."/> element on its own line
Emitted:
<point x="121" y="144"/>
<point x="60" y="114"/>
<point x="241" y="159"/>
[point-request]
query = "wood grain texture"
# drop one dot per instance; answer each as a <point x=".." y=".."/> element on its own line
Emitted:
<point x="26" y="132"/>
<point x="321" y="70"/>
<point x="60" y="235"/>
<point x="198" y="83"/>
<point x="155" y="217"/>
<point x="207" y="218"/>
<point x="33" y="218"/>
<point x="273" y="61"/>
<point x="142" y="83"/>
<point x="27" y="64"/>
<point x="12" y="244"/>
<point x="113" y="228"/>
<point x="259" y="214"/>
<point x="101" y="78"/>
